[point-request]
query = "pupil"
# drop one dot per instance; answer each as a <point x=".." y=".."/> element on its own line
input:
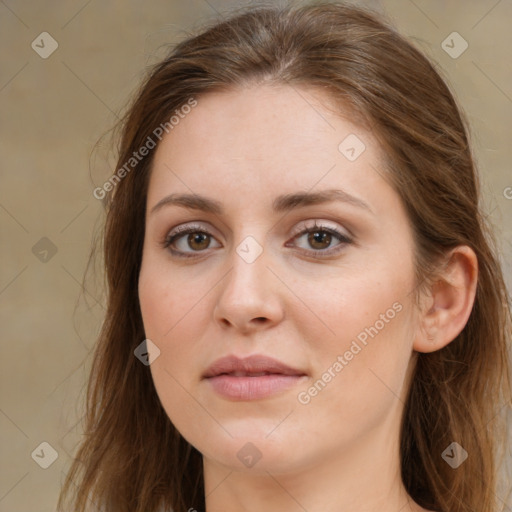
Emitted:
<point x="320" y="236"/>
<point x="199" y="237"/>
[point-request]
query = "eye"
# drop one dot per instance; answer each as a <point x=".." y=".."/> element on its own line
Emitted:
<point x="320" y="238"/>
<point x="198" y="239"/>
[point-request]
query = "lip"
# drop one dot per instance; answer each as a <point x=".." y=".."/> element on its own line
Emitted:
<point x="251" y="378"/>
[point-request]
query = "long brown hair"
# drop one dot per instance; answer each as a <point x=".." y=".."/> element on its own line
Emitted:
<point x="132" y="458"/>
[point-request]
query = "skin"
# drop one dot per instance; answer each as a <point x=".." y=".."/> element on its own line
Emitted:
<point x="340" y="451"/>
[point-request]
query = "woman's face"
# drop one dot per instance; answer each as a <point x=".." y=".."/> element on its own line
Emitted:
<point x="323" y="287"/>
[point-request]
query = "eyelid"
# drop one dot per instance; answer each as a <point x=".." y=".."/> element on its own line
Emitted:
<point x="183" y="228"/>
<point x="318" y="224"/>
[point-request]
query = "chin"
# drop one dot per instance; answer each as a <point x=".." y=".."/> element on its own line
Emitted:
<point x="255" y="451"/>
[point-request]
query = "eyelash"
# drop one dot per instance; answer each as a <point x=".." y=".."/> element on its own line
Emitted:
<point x="343" y="238"/>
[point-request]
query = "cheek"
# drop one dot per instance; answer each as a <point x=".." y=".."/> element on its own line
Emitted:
<point x="166" y="301"/>
<point x="166" y="317"/>
<point x="359" y="391"/>
<point x="368" y="305"/>
<point x="362" y="359"/>
<point x="171" y="321"/>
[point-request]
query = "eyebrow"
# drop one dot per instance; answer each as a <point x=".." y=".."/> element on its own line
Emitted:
<point x="283" y="203"/>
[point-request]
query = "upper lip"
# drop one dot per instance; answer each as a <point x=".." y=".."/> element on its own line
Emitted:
<point x="249" y="365"/>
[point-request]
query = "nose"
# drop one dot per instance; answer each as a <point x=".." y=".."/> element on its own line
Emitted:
<point x="249" y="297"/>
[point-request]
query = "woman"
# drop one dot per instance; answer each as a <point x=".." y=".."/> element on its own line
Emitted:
<point x="305" y="309"/>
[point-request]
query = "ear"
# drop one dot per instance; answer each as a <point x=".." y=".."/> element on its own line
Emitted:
<point x="449" y="301"/>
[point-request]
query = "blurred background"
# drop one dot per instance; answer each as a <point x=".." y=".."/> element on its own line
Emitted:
<point x="67" y="71"/>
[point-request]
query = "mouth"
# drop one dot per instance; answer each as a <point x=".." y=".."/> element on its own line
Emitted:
<point x="248" y="374"/>
<point x="252" y="378"/>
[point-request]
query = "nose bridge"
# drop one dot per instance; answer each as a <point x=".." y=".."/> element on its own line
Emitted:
<point x="247" y="293"/>
<point x="248" y="263"/>
<point x="250" y="249"/>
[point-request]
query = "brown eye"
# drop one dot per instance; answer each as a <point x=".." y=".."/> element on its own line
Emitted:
<point x="187" y="241"/>
<point x="197" y="241"/>
<point x="320" y="239"/>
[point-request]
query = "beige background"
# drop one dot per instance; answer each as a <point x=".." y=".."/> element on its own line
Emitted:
<point x="52" y="112"/>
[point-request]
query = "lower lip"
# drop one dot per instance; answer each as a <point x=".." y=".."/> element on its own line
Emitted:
<point x="252" y="388"/>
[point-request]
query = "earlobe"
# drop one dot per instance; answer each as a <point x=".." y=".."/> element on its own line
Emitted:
<point x="450" y="301"/>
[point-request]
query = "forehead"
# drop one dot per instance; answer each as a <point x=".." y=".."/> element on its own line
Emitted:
<point x="261" y="116"/>
<point x="260" y="134"/>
